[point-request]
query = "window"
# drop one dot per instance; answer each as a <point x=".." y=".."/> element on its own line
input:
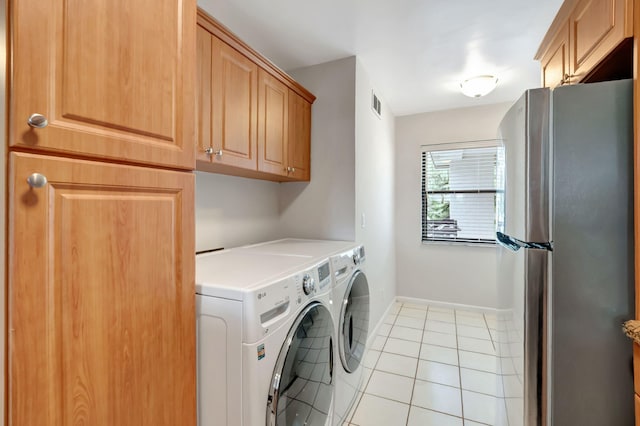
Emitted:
<point x="461" y="195"/>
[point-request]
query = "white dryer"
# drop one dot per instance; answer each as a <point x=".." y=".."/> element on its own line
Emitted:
<point x="350" y="307"/>
<point x="265" y="334"/>
<point x="300" y="247"/>
<point x="351" y="315"/>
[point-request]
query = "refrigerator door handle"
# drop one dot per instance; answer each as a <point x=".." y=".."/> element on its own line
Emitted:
<point x="515" y="244"/>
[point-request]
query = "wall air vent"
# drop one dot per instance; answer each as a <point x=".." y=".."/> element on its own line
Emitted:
<point x="376" y="105"/>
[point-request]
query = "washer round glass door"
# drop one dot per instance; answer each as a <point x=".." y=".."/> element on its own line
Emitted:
<point x="301" y="391"/>
<point x="354" y="322"/>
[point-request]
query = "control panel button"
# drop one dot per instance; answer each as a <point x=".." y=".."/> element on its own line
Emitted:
<point x="308" y="284"/>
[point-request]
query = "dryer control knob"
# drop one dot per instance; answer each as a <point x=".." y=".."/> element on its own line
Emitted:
<point x="308" y="284"/>
<point x="356" y="259"/>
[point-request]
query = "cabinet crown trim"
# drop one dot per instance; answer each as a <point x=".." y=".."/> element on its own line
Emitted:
<point x="225" y="34"/>
<point x="561" y="19"/>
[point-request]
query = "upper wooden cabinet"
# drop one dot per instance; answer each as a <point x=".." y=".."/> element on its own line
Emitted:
<point x="253" y="119"/>
<point x="555" y="62"/>
<point x="228" y="104"/>
<point x="273" y="125"/>
<point x="299" y="142"/>
<point x="582" y="35"/>
<point x="101" y="303"/>
<point x="113" y="80"/>
<point x="596" y="28"/>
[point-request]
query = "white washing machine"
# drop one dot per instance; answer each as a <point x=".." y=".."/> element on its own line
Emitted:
<point x="351" y="315"/>
<point x="265" y="334"/>
<point x="350" y="308"/>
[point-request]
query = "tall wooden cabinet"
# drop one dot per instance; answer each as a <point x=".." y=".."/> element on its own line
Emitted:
<point x="101" y="294"/>
<point x="253" y="119"/>
<point x="636" y="198"/>
<point x="100" y="298"/>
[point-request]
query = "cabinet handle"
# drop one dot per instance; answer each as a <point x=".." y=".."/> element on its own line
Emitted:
<point x="288" y="169"/>
<point x="211" y="151"/>
<point x="36" y="180"/>
<point x="293" y="170"/>
<point x="37" y="121"/>
<point x="566" y="79"/>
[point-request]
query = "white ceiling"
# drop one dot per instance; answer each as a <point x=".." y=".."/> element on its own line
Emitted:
<point x="416" y="52"/>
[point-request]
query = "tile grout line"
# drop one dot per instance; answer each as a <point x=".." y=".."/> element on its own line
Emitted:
<point x="418" y="359"/>
<point x="496" y="344"/>
<point x="364" y="385"/>
<point x="415" y="375"/>
<point x="455" y="318"/>
<point x="484" y="318"/>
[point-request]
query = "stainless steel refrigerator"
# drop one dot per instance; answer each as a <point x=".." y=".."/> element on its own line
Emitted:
<point x="566" y="284"/>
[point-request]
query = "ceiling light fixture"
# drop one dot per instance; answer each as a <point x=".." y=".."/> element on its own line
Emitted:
<point x="480" y="85"/>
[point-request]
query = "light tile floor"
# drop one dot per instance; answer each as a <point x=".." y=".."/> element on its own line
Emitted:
<point x="429" y="366"/>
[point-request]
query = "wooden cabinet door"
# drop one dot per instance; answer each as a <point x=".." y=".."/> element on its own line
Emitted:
<point x="203" y="93"/>
<point x="555" y="62"/>
<point x="299" y="142"/>
<point x="101" y="303"/>
<point x="234" y="107"/>
<point x="596" y="27"/>
<point x="114" y="78"/>
<point x="273" y="124"/>
<point x="636" y="367"/>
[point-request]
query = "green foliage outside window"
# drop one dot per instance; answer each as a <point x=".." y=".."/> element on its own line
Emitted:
<point x="438" y="206"/>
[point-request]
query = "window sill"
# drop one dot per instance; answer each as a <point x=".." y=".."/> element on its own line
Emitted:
<point x="458" y="243"/>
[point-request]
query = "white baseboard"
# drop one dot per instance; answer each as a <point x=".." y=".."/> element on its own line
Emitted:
<point x="501" y="313"/>
<point x="374" y="332"/>
<point x="473" y="308"/>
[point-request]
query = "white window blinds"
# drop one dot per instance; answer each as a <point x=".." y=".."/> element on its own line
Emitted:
<point x="460" y="192"/>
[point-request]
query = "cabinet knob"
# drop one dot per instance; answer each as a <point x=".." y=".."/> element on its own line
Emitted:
<point x="566" y="78"/>
<point x="211" y="151"/>
<point x="36" y="180"/>
<point x="293" y="170"/>
<point x="37" y="121"/>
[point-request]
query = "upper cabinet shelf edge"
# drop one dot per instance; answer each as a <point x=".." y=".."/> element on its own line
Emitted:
<point x="224" y="34"/>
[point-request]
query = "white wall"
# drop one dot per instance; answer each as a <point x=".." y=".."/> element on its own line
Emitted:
<point x="325" y="207"/>
<point x="352" y="172"/>
<point x="375" y="193"/>
<point x="446" y="273"/>
<point x="232" y="211"/>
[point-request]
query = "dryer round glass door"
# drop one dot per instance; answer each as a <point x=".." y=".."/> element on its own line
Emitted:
<point x="354" y="322"/>
<point x="302" y="385"/>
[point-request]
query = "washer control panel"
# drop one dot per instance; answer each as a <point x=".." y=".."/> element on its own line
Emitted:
<point x="267" y="306"/>
<point x="358" y="255"/>
<point x="324" y="276"/>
